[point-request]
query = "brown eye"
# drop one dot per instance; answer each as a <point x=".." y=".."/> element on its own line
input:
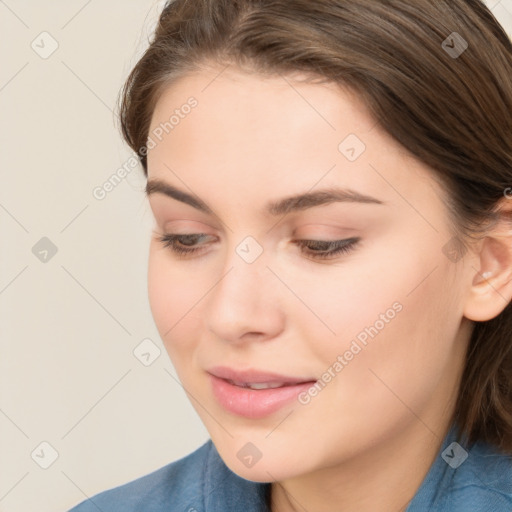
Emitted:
<point x="181" y="244"/>
<point x="324" y="249"/>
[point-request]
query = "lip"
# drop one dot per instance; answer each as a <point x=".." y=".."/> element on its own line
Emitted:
<point x="255" y="376"/>
<point x="255" y="403"/>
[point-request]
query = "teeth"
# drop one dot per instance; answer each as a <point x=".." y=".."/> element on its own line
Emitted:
<point x="262" y="385"/>
<point x="258" y="385"/>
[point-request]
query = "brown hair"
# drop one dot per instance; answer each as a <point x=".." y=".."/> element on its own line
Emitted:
<point x="453" y="112"/>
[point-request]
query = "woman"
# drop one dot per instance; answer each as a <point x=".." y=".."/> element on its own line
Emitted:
<point x="331" y="267"/>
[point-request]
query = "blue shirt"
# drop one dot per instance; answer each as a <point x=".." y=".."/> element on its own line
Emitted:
<point x="462" y="478"/>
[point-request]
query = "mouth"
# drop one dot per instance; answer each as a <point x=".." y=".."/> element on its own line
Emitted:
<point x="256" y="379"/>
<point x="264" y="385"/>
<point x="258" y="395"/>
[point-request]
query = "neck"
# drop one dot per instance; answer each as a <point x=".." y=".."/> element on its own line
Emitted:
<point x="384" y="477"/>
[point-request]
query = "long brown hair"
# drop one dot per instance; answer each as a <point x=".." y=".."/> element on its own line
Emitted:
<point x="435" y="74"/>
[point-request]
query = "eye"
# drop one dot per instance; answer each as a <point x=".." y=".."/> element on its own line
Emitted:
<point x="181" y="245"/>
<point x="327" y="249"/>
<point x="186" y="244"/>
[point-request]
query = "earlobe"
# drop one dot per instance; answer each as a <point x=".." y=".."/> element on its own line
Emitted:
<point x="491" y="287"/>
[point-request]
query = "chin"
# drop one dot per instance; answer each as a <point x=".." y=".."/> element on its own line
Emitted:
<point x="263" y="469"/>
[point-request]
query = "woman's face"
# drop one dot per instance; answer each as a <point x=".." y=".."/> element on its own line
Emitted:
<point x="377" y="325"/>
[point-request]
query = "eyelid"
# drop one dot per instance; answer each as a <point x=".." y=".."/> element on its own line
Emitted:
<point x="177" y="224"/>
<point x="340" y="246"/>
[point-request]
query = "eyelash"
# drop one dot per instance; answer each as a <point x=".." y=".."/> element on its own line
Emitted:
<point x="341" y="246"/>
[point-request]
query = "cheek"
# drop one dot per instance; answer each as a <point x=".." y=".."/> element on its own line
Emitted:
<point x="344" y="299"/>
<point x="394" y="325"/>
<point x="173" y="297"/>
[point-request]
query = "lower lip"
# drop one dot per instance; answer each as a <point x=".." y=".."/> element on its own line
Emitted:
<point x="254" y="403"/>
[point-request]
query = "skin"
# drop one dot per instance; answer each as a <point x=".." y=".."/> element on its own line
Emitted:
<point x="367" y="440"/>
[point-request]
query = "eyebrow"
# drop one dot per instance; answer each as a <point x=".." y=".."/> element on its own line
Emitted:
<point x="283" y="206"/>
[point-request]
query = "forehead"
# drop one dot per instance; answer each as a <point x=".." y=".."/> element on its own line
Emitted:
<point x="279" y="134"/>
<point x="224" y="94"/>
<point x="263" y="121"/>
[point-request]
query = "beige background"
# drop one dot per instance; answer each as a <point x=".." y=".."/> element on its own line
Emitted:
<point x="71" y="321"/>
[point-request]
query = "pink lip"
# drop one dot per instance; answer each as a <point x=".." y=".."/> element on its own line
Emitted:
<point x="255" y="376"/>
<point x="255" y="403"/>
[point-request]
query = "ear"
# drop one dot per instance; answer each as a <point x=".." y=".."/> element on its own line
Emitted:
<point x="491" y="288"/>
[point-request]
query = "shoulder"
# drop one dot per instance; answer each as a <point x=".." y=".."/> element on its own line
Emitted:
<point x="483" y="481"/>
<point x="464" y="477"/>
<point x="198" y="482"/>
<point x="178" y="483"/>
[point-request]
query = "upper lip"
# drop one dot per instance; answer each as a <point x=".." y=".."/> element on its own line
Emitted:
<point x="253" y="376"/>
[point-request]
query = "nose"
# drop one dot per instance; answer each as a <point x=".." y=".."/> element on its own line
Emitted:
<point x="245" y="302"/>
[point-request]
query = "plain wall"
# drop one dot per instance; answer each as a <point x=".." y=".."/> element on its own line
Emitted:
<point x="70" y="321"/>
